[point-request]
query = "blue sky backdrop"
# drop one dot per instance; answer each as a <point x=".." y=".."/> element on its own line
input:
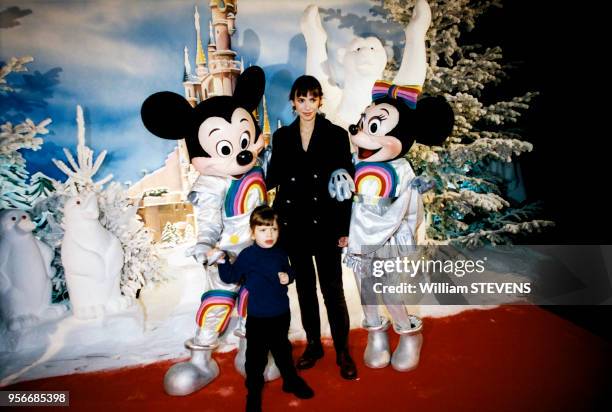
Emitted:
<point x="108" y="56"/>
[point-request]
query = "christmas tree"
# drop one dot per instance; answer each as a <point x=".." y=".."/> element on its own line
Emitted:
<point x="477" y="196"/>
<point x="170" y="236"/>
<point x="13" y="138"/>
<point x="41" y="187"/>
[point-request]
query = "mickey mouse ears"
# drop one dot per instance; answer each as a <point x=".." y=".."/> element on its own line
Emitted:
<point x="170" y="116"/>
<point x="250" y="88"/>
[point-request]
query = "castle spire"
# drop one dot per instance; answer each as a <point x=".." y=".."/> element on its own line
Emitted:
<point x="266" y="121"/>
<point x="200" y="58"/>
<point x="187" y="65"/>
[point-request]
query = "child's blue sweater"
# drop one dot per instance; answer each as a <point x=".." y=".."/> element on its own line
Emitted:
<point x="258" y="268"/>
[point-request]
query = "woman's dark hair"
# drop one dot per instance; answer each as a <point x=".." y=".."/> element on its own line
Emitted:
<point x="263" y="216"/>
<point x="304" y="84"/>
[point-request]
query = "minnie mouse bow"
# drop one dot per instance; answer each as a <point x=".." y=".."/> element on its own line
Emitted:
<point x="407" y="94"/>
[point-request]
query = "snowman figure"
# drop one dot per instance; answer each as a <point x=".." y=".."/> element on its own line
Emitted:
<point x="25" y="273"/>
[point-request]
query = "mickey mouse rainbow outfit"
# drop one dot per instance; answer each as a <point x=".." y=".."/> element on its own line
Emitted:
<point x="223" y="206"/>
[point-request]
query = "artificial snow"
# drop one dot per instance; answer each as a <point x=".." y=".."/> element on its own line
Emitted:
<point x="152" y="330"/>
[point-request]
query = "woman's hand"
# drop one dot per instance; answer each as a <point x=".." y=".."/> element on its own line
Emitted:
<point x="343" y="241"/>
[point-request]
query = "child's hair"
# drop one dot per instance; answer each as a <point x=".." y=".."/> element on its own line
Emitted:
<point x="263" y="216"/>
<point x="305" y="84"/>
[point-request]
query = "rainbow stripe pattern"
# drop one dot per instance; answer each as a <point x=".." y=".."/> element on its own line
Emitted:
<point x="214" y="299"/>
<point x="246" y="193"/>
<point x="376" y="179"/>
<point x="242" y="302"/>
<point x="407" y="94"/>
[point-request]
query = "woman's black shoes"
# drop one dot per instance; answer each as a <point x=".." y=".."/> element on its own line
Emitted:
<point x="299" y="388"/>
<point x="348" y="370"/>
<point x="312" y="353"/>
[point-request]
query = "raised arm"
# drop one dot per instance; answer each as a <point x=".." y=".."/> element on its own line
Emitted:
<point x="317" y="61"/>
<point x="413" y="69"/>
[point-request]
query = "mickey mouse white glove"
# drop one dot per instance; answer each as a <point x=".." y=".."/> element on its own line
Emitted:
<point x="341" y="185"/>
<point x="198" y="251"/>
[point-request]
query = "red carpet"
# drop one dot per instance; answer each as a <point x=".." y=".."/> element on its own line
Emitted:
<point x="508" y="359"/>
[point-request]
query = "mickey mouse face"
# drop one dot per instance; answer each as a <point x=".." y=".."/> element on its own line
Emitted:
<point x="371" y="135"/>
<point x="221" y="134"/>
<point x="232" y="146"/>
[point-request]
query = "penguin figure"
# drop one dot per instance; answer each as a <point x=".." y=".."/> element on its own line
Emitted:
<point x="25" y="273"/>
<point x="92" y="258"/>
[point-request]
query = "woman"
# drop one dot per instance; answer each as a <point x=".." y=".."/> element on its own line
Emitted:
<point x="304" y="156"/>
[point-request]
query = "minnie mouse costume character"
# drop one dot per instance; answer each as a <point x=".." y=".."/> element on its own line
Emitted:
<point x="223" y="140"/>
<point x="387" y="214"/>
<point x="387" y="208"/>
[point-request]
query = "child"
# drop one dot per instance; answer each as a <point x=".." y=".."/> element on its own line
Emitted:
<point x="264" y="269"/>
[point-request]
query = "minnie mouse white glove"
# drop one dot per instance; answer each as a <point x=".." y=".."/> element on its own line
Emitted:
<point x="341" y="185"/>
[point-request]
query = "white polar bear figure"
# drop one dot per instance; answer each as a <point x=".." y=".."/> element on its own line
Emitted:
<point x="25" y="273"/>
<point x="363" y="61"/>
<point x="92" y="259"/>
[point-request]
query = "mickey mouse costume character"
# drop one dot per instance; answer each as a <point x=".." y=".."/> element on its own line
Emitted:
<point x="387" y="215"/>
<point x="223" y="140"/>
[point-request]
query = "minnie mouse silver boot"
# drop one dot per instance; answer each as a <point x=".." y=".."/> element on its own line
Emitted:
<point x="408" y="351"/>
<point x="377" y="353"/>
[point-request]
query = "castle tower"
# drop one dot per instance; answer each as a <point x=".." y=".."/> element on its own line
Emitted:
<point x="224" y="69"/>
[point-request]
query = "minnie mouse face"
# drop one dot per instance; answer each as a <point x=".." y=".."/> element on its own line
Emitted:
<point x="221" y="133"/>
<point x="388" y="127"/>
<point x="372" y="134"/>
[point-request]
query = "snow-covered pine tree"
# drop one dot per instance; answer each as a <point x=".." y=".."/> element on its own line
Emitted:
<point x="142" y="265"/>
<point x="469" y="205"/>
<point x="48" y="215"/>
<point x="41" y="187"/>
<point x="170" y="236"/>
<point x="13" y="138"/>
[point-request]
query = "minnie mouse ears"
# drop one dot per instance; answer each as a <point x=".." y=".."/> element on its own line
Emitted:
<point x="170" y="116"/>
<point x="435" y="120"/>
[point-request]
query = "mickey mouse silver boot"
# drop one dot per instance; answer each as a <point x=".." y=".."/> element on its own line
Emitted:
<point x="187" y="377"/>
<point x="406" y="355"/>
<point x="377" y="353"/>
